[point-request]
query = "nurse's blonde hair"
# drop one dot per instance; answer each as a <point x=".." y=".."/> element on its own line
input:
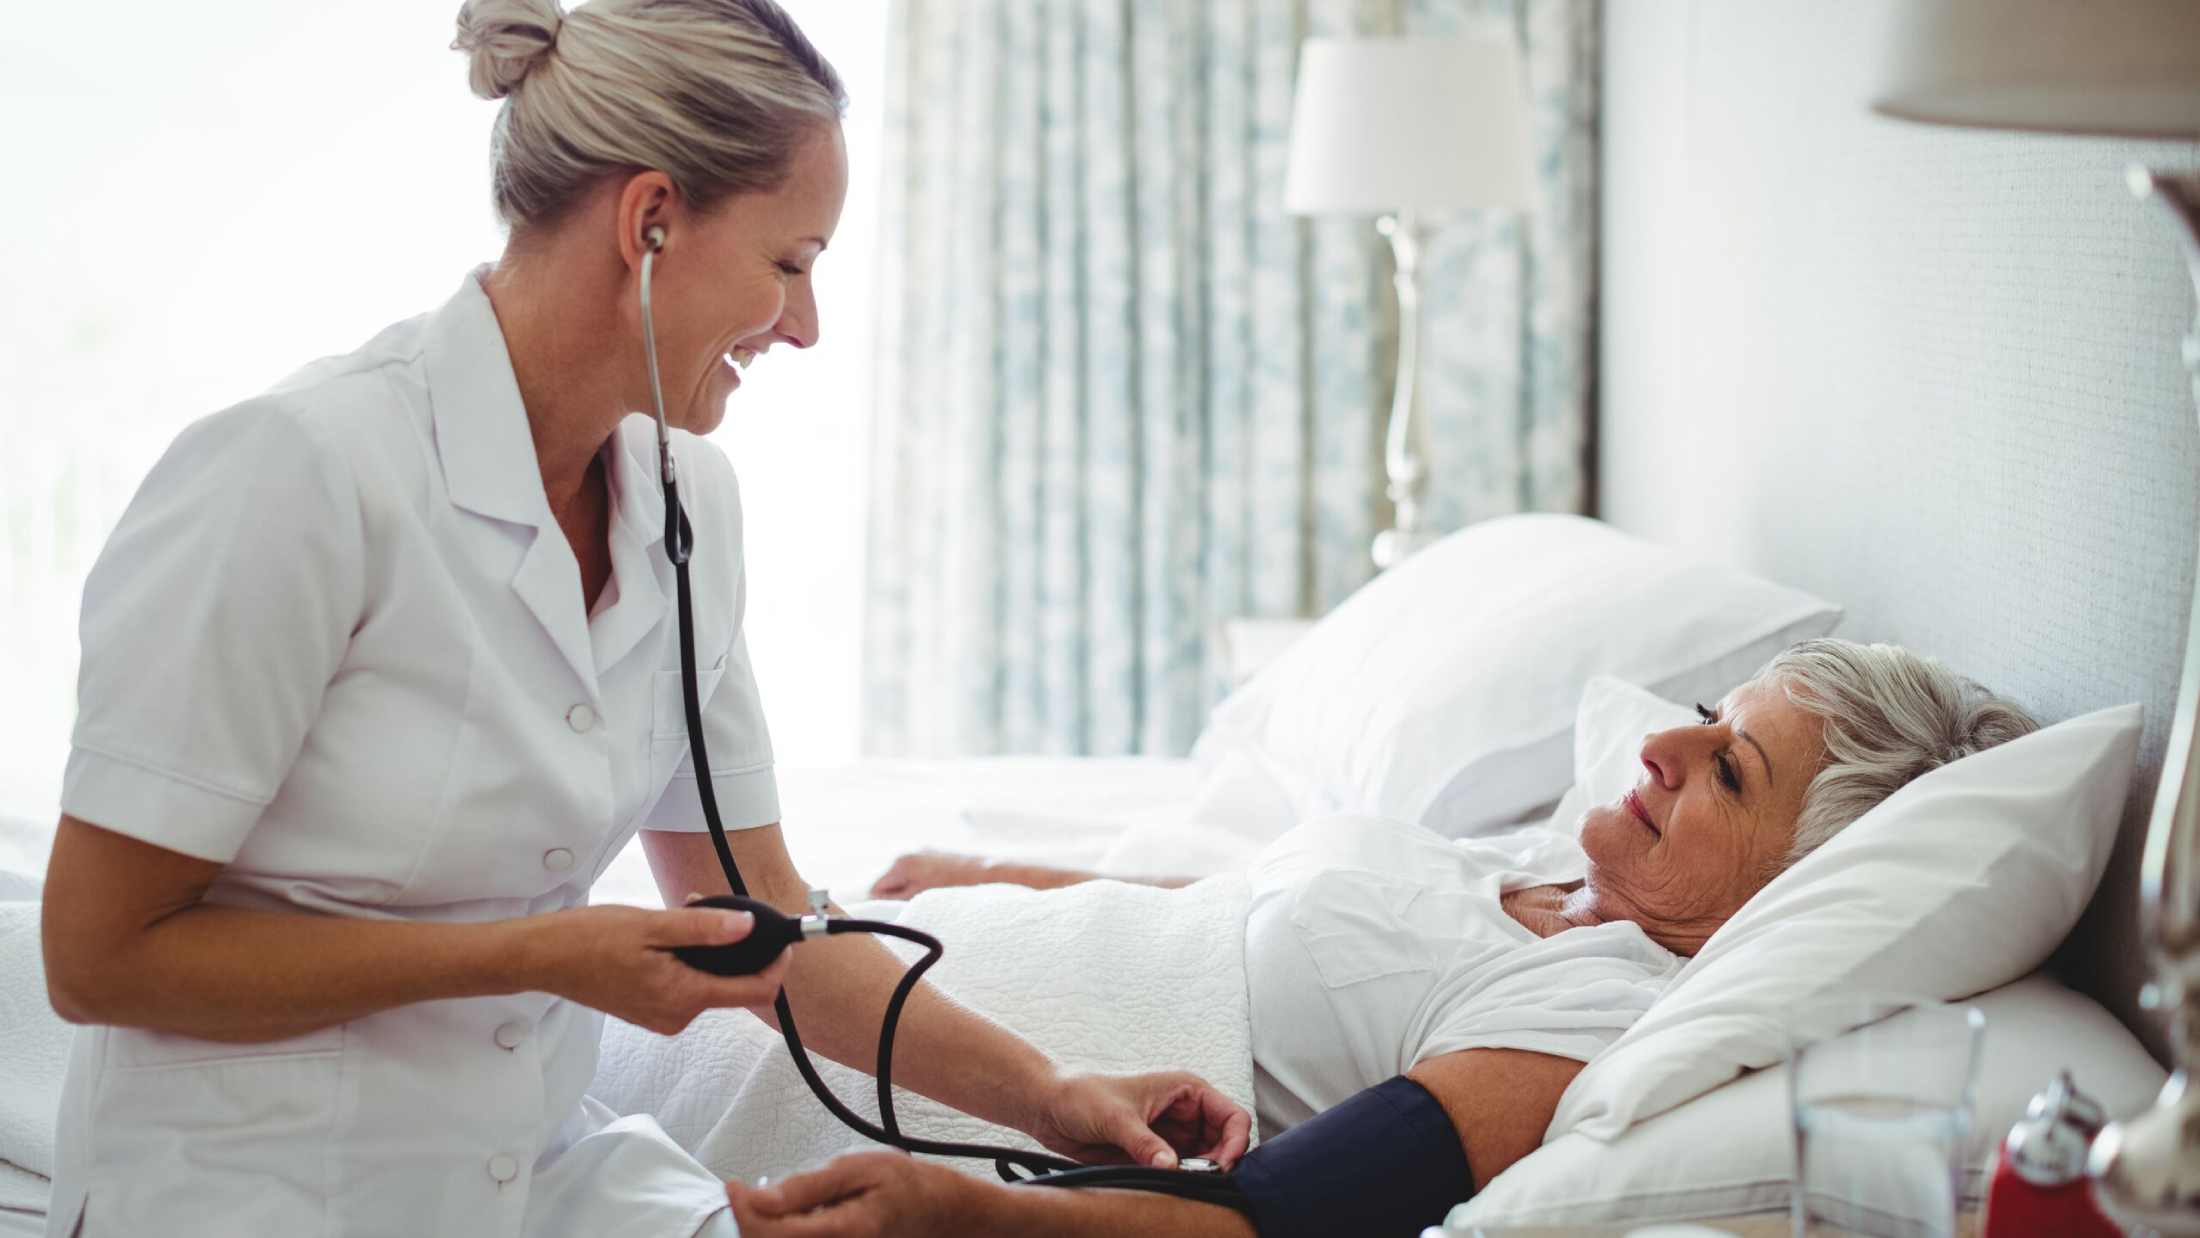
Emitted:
<point x="716" y="94"/>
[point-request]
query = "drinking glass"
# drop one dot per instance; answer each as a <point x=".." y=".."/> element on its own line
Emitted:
<point x="1881" y="1115"/>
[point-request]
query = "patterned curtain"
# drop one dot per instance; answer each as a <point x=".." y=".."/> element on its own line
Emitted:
<point x="1124" y="397"/>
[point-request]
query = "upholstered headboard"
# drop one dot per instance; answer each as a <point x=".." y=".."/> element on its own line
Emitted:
<point x="1932" y="375"/>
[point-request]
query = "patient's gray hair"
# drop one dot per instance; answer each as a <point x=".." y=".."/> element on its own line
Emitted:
<point x="716" y="94"/>
<point x="1890" y="715"/>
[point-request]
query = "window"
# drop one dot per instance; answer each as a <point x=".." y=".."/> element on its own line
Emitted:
<point x="204" y="205"/>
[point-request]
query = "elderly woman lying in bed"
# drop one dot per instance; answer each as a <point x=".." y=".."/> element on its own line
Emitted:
<point x="1485" y="972"/>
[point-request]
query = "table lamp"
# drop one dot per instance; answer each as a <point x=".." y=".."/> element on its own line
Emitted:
<point x="2125" y="68"/>
<point x="1398" y="127"/>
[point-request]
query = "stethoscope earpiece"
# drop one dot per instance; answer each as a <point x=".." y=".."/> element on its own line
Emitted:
<point x="654" y="239"/>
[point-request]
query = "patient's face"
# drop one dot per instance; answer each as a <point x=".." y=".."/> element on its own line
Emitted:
<point x="1708" y="821"/>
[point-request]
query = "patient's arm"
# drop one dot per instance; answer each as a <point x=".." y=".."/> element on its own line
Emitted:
<point x="919" y="871"/>
<point x="1499" y="1100"/>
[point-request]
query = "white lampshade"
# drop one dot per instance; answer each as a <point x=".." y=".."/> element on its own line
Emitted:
<point x="2121" y="67"/>
<point x="1408" y="124"/>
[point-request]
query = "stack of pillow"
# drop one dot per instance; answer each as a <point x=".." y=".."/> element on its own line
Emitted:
<point x="1444" y="691"/>
<point x="1955" y="887"/>
<point x="1497" y="671"/>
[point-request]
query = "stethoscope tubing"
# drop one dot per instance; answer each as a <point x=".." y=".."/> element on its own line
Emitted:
<point x="1045" y="1170"/>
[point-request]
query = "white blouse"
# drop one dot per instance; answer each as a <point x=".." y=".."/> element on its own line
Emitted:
<point x="337" y="643"/>
<point x="1373" y="945"/>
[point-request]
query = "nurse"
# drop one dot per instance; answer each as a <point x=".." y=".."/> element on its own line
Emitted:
<point x="379" y="673"/>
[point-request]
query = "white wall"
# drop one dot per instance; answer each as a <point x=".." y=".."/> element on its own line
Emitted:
<point x="1930" y="374"/>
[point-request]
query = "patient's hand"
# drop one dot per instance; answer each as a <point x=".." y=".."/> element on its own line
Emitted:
<point x="919" y="871"/>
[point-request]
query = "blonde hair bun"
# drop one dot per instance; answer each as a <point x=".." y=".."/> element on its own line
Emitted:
<point x="506" y="39"/>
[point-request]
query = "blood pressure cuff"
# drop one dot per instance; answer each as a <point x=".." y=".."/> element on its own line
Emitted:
<point x="1387" y="1161"/>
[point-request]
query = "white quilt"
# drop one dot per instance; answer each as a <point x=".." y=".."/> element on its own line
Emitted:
<point x="34" y="1055"/>
<point x="1104" y="976"/>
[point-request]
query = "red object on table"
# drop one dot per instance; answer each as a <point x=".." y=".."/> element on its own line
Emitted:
<point x="2039" y="1186"/>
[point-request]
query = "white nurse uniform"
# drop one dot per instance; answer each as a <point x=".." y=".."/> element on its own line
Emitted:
<point x="337" y="644"/>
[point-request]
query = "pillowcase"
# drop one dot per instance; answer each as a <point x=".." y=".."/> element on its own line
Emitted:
<point x="1444" y="691"/>
<point x="1608" y="731"/>
<point x="1960" y="881"/>
<point x="1741" y="1153"/>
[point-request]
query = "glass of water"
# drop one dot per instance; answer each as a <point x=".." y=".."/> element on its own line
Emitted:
<point x="1882" y="1115"/>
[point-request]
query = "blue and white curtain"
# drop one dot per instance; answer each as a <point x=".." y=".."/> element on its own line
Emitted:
<point x="1124" y="397"/>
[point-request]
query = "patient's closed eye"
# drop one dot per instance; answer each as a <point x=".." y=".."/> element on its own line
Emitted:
<point x="1729" y="777"/>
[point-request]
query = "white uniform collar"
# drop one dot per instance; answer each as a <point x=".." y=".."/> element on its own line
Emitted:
<point x="482" y="434"/>
<point x="490" y="468"/>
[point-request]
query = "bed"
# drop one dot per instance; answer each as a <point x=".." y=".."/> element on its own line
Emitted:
<point x="1977" y="441"/>
<point x="845" y="824"/>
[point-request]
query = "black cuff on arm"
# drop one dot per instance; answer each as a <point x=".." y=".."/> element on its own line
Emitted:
<point x="1388" y="1161"/>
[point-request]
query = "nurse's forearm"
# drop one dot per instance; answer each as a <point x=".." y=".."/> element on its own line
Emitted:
<point x="232" y="974"/>
<point x="838" y="988"/>
<point x="129" y="940"/>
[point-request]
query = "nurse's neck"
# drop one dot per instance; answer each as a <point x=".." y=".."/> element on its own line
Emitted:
<point x="562" y="330"/>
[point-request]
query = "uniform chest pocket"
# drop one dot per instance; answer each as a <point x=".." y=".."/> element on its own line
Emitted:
<point x="1359" y="926"/>
<point x="249" y="1127"/>
<point x="669" y="700"/>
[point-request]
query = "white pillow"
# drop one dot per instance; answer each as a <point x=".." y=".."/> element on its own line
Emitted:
<point x="1740" y="1153"/>
<point x="1608" y="731"/>
<point x="1962" y="880"/>
<point x="1444" y="691"/>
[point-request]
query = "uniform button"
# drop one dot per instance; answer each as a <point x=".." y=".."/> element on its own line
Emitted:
<point x="503" y="1168"/>
<point x="557" y="859"/>
<point x="509" y="1035"/>
<point x="581" y="718"/>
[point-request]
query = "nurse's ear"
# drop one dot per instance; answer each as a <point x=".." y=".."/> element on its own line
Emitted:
<point x="641" y="211"/>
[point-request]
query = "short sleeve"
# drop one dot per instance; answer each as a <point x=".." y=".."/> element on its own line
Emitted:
<point x="735" y="737"/>
<point x="214" y="619"/>
<point x="1569" y="995"/>
<point x="740" y="754"/>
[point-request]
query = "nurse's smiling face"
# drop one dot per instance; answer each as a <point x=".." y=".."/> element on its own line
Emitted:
<point x="735" y="282"/>
<point x="1709" y="821"/>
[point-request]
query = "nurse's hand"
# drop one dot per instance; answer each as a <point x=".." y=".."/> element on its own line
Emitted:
<point x="865" y="1195"/>
<point x="1147" y="1119"/>
<point x="617" y="960"/>
<point x="889" y="1195"/>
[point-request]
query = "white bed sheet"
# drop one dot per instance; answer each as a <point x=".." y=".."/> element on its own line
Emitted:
<point x="845" y="824"/>
<point x="22" y="1202"/>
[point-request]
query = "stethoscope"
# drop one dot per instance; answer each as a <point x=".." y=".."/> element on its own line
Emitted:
<point x="774" y="932"/>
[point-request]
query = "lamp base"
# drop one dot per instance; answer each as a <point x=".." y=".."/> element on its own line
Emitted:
<point x="1393" y="545"/>
<point x="2144" y="1175"/>
<point x="2146" y="1169"/>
